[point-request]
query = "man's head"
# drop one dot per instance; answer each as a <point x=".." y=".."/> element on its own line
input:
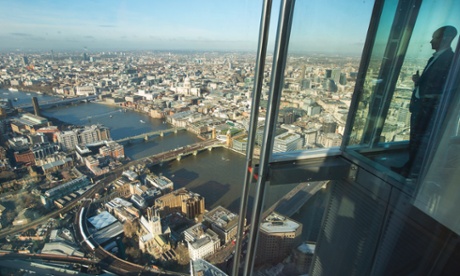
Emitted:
<point x="442" y="37"/>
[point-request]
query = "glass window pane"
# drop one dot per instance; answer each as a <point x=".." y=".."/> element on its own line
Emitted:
<point x="439" y="193"/>
<point x="319" y="78"/>
<point x="403" y="84"/>
<point x="372" y="74"/>
<point x="325" y="47"/>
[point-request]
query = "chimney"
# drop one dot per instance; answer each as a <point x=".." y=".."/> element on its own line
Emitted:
<point x="36" y="106"/>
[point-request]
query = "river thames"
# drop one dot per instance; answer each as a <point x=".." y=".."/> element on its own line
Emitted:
<point x="217" y="175"/>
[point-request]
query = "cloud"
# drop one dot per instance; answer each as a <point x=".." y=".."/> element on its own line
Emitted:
<point x="107" y="26"/>
<point x="28" y="37"/>
<point x="20" y="34"/>
<point x="37" y="38"/>
<point x="89" y="37"/>
<point x="155" y="37"/>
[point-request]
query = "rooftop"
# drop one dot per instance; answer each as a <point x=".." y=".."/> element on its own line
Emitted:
<point x="287" y="136"/>
<point x="276" y="223"/>
<point x="102" y="220"/>
<point x="202" y="267"/>
<point x="307" y="247"/>
<point x="222" y="217"/>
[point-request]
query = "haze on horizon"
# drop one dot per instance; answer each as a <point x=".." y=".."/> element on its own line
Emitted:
<point x="233" y="25"/>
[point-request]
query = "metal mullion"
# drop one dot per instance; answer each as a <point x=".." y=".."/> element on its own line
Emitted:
<point x="279" y="63"/>
<point x="363" y="66"/>
<point x="258" y="83"/>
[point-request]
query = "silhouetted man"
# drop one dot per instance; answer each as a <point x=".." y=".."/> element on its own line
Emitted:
<point x="426" y="95"/>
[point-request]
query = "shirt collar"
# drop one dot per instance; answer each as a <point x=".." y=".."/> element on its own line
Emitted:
<point x="438" y="53"/>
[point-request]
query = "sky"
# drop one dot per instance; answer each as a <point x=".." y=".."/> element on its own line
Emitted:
<point x="435" y="16"/>
<point x="176" y="24"/>
<point x="130" y="24"/>
<point x="329" y="26"/>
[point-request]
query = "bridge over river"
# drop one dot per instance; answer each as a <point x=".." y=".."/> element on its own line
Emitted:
<point x="57" y="102"/>
<point x="146" y="136"/>
<point x="181" y="152"/>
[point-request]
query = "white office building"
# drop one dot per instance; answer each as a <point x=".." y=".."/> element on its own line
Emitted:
<point x="287" y="142"/>
<point x="201" y="242"/>
<point x="161" y="182"/>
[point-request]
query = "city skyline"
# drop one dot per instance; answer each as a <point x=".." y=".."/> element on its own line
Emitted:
<point x="178" y="25"/>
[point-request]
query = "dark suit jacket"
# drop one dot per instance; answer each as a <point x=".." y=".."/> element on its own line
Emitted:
<point x="432" y="81"/>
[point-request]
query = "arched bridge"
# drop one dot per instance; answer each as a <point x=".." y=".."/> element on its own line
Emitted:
<point x="57" y="102"/>
<point x="146" y="136"/>
<point x="181" y="152"/>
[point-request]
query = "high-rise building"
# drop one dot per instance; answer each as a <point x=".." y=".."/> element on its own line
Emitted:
<point x="278" y="236"/>
<point x="343" y="79"/>
<point x="202" y="241"/>
<point x="335" y="75"/>
<point x="223" y="222"/>
<point x="303" y="256"/>
<point x="25" y="60"/>
<point x="87" y="135"/>
<point x="329" y="127"/>
<point x="306" y="84"/>
<point x="183" y="201"/>
<point x="287" y="142"/>
<point x="67" y="139"/>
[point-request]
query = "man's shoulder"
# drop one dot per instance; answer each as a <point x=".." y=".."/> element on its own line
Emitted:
<point x="443" y="60"/>
<point x="447" y="54"/>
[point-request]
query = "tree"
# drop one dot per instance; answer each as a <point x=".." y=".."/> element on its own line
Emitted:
<point x="130" y="229"/>
<point x="133" y="253"/>
<point x="10" y="215"/>
<point x="28" y="200"/>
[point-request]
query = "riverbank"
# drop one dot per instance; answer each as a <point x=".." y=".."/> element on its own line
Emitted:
<point x="60" y="124"/>
<point x="256" y="152"/>
<point x="47" y="90"/>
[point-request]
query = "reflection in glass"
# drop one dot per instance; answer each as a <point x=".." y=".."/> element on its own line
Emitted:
<point x="384" y="108"/>
<point x="320" y="74"/>
<point x="439" y="192"/>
